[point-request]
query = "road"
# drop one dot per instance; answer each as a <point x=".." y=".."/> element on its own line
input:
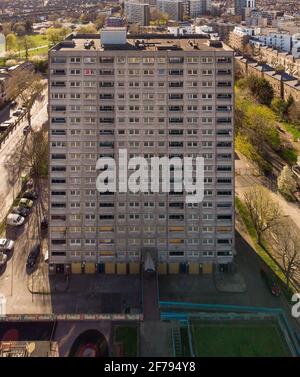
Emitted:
<point x="9" y="173"/>
<point x="14" y="280"/>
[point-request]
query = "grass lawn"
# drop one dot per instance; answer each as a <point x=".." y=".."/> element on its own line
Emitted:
<point x="290" y="156"/>
<point x="127" y="335"/>
<point x="39" y="39"/>
<point x="261" y="251"/>
<point x="39" y="51"/>
<point x="292" y="129"/>
<point x="238" y="340"/>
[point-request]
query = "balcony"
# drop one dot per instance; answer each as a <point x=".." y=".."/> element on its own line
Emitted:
<point x="106" y="108"/>
<point x="176" y="132"/>
<point x="107" y="72"/>
<point x="177" y="72"/>
<point x="224" y="60"/>
<point x="176" y="120"/>
<point x="107" y="60"/>
<point x="175" y="84"/>
<point x="58" y="84"/>
<point x="176" y="60"/>
<point x="107" y="120"/>
<point x="224" y="109"/>
<point x="224" y="84"/>
<point x="175" y="108"/>
<point x="224" y="96"/>
<point x="224" y="72"/>
<point x="224" y="121"/>
<point x="176" y="144"/>
<point x="58" y="72"/>
<point x="106" y="84"/>
<point x="176" y="96"/>
<point x="106" y="96"/>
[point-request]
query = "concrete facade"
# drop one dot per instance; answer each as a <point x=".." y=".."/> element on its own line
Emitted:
<point x="156" y="98"/>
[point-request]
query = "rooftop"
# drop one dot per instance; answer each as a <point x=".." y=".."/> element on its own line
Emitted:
<point x="144" y="42"/>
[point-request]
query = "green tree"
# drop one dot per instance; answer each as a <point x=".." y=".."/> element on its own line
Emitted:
<point x="19" y="29"/>
<point x="56" y="35"/>
<point x="28" y="26"/>
<point x="281" y="107"/>
<point x="25" y="43"/>
<point x="100" y="21"/>
<point x="288" y="243"/>
<point x="260" y="122"/>
<point x="286" y="182"/>
<point x="11" y="42"/>
<point x="263" y="211"/>
<point x="245" y="146"/>
<point x="27" y="86"/>
<point x="87" y="29"/>
<point x="261" y="89"/>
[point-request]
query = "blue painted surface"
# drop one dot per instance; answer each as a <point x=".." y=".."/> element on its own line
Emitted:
<point x="219" y="307"/>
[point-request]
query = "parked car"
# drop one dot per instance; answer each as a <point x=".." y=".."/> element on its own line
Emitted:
<point x="8" y="123"/>
<point x="6" y="245"/>
<point x="13" y="104"/>
<point x="30" y="194"/>
<point x="33" y="257"/>
<point x="27" y="203"/>
<point x="19" y="210"/>
<point x="14" y="220"/>
<point x="17" y="113"/>
<point x="3" y="259"/>
<point x="270" y="282"/>
<point x="44" y="223"/>
<point x="29" y="184"/>
<point x="46" y="256"/>
<point x="26" y="130"/>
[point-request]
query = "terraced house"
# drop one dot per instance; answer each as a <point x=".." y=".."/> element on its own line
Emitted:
<point x="154" y="95"/>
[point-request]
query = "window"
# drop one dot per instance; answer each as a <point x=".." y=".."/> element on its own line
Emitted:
<point x="75" y="60"/>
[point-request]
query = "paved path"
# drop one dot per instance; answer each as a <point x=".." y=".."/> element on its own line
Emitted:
<point x="150" y="296"/>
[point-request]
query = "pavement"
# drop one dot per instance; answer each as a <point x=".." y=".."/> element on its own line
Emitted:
<point x="9" y="172"/>
<point x="202" y="288"/>
<point x="150" y="296"/>
<point x="230" y="282"/>
<point x="156" y="339"/>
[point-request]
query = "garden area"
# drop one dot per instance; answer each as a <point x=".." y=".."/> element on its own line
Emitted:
<point x="126" y="340"/>
<point x="238" y="340"/>
<point x="263" y="126"/>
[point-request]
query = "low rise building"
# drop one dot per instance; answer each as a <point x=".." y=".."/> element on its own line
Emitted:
<point x="284" y="85"/>
<point x="240" y="36"/>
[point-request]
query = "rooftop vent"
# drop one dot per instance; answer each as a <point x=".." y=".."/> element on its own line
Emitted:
<point x="89" y="44"/>
<point x="68" y="43"/>
<point x="215" y="43"/>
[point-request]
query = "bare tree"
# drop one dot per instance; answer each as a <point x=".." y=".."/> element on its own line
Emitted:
<point x="263" y="211"/>
<point x="288" y="243"/>
<point x="27" y="86"/>
<point x="34" y="154"/>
